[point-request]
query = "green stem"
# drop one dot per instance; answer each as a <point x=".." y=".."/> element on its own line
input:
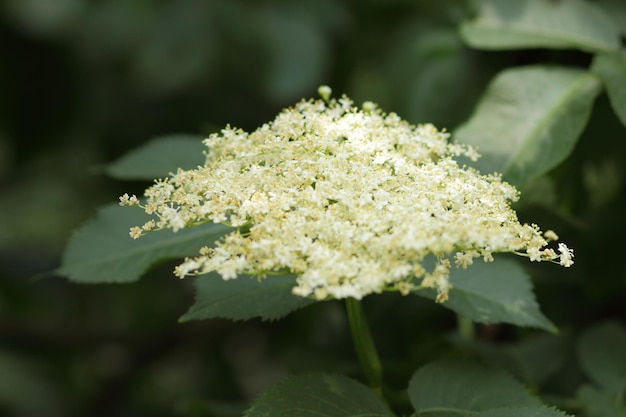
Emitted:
<point x="465" y="327"/>
<point x="364" y="345"/>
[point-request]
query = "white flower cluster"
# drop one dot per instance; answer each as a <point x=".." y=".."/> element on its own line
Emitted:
<point x="350" y="200"/>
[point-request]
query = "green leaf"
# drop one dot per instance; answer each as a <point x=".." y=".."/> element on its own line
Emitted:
<point x="158" y="158"/>
<point x="294" y="63"/>
<point x="616" y="10"/>
<point x="428" y="75"/>
<point x="529" y="120"/>
<point x="103" y="252"/>
<point x="181" y="49"/>
<point x="25" y="389"/>
<point x="514" y="24"/>
<point x="522" y="412"/>
<point x="318" y="395"/>
<point x="598" y="402"/>
<point x="602" y="355"/>
<point x="495" y="292"/>
<point x="533" y="360"/>
<point x="611" y="68"/>
<point x="457" y="388"/>
<point x="244" y="298"/>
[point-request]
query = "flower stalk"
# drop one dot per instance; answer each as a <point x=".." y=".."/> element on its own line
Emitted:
<point x="465" y="328"/>
<point x="364" y="345"/>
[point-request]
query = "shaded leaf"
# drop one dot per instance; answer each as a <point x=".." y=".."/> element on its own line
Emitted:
<point x="430" y="76"/>
<point x="462" y="388"/>
<point x="611" y="68"/>
<point x="616" y="10"/>
<point x="496" y="292"/>
<point x="244" y="298"/>
<point x="514" y="24"/>
<point x="297" y="62"/>
<point x="522" y="412"/>
<point x="159" y="157"/>
<point x="602" y="355"/>
<point x="181" y="48"/>
<point x="24" y="389"/>
<point x="44" y="19"/>
<point x="532" y="360"/>
<point x="598" y="402"/>
<point x="103" y="252"/>
<point x="529" y="120"/>
<point x="114" y="29"/>
<point x="318" y="395"/>
<point x="426" y="75"/>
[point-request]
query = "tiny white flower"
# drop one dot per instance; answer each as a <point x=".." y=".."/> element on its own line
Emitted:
<point x="351" y="200"/>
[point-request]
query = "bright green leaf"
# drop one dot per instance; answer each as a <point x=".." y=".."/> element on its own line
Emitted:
<point x="522" y="412"/>
<point x="529" y="120"/>
<point x="611" y="68"/>
<point x="602" y="355"/>
<point x="495" y="292"/>
<point x="103" y="252"/>
<point x="514" y="24"/>
<point x="318" y="395"/>
<point x="457" y="388"/>
<point x="158" y="158"/>
<point x="244" y="298"/>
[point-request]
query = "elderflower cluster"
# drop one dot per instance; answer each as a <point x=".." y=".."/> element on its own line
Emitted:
<point x="353" y="201"/>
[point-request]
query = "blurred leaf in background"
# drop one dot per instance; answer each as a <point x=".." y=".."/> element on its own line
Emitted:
<point x="84" y="82"/>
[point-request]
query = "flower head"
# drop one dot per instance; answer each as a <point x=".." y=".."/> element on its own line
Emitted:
<point x="350" y="200"/>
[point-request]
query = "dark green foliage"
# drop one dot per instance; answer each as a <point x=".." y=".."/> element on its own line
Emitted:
<point x="497" y="292"/>
<point x="538" y="85"/>
<point x="244" y="298"/>
<point x="321" y="395"/>
<point x="461" y="388"/>
<point x="159" y="158"/>
<point x="102" y="251"/>
<point x="601" y="355"/>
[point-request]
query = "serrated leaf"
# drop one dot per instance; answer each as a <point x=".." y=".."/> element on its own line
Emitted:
<point x="611" y="68"/>
<point x="514" y="24"/>
<point x="495" y="292"/>
<point x="103" y="252"/>
<point x="457" y="388"/>
<point x="244" y="298"/>
<point x="602" y="355"/>
<point x="529" y="120"/>
<point x="159" y="157"/>
<point x="318" y="395"/>
<point x="522" y="412"/>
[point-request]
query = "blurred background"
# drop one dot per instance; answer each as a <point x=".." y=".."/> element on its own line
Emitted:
<point x="84" y="81"/>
